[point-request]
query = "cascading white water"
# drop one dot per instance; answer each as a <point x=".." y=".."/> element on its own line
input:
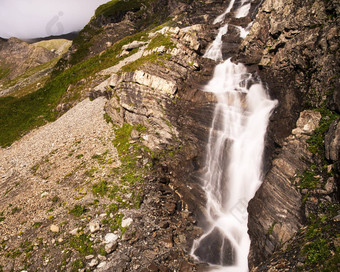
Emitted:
<point x="232" y="172"/>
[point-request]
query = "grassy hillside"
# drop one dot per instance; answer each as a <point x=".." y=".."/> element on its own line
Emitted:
<point x="20" y="115"/>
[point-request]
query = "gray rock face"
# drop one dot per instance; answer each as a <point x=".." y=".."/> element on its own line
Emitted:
<point x="295" y="47"/>
<point x="275" y="213"/>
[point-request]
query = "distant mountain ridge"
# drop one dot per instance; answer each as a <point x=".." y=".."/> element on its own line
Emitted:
<point x="68" y="36"/>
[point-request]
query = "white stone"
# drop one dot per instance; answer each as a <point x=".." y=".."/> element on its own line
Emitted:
<point x="54" y="228"/>
<point x="94" y="226"/>
<point x="126" y="222"/>
<point x="110" y="237"/>
<point x="133" y="45"/>
<point x="93" y="262"/>
<point x="74" y="231"/>
<point x="89" y="257"/>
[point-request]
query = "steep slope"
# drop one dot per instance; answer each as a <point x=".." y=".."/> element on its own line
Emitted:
<point x="99" y="196"/>
<point x="83" y="193"/>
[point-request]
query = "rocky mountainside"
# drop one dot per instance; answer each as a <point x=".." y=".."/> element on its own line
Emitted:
<point x="20" y="56"/>
<point x="25" y="67"/>
<point x="112" y="182"/>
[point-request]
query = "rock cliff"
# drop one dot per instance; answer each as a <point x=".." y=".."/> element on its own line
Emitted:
<point x="295" y="47"/>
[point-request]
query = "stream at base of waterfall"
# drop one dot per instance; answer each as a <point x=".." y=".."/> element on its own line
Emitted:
<point x="232" y="171"/>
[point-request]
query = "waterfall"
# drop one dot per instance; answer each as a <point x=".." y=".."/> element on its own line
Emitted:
<point x="232" y="172"/>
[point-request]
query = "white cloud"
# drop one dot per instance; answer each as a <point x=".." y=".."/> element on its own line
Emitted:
<point x="27" y="19"/>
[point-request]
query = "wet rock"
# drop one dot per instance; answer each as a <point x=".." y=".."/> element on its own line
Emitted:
<point x="277" y="204"/>
<point x="216" y="249"/>
<point x="292" y="55"/>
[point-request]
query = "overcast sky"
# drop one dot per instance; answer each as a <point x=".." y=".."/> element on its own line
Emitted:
<point x="27" y="19"/>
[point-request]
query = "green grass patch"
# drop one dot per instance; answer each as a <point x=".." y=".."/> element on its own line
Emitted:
<point x="107" y="118"/>
<point x="161" y="40"/>
<point x="316" y="141"/>
<point x="130" y="172"/>
<point x="90" y="172"/>
<point x="101" y="158"/>
<point x="78" y="210"/>
<point x="152" y="58"/>
<point x="76" y="265"/>
<point x="100" y="188"/>
<point x="102" y="251"/>
<point x="320" y="247"/>
<point x="309" y="180"/>
<point x="2" y="217"/>
<point x="115" y="223"/>
<point x="4" y="71"/>
<point x="15" y="210"/>
<point x="37" y="225"/>
<point x="82" y="244"/>
<point x="117" y="8"/>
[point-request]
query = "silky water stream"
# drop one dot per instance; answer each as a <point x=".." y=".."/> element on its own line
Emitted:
<point x="232" y="172"/>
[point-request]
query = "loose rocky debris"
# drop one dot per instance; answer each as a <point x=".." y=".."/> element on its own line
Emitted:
<point x="56" y="214"/>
